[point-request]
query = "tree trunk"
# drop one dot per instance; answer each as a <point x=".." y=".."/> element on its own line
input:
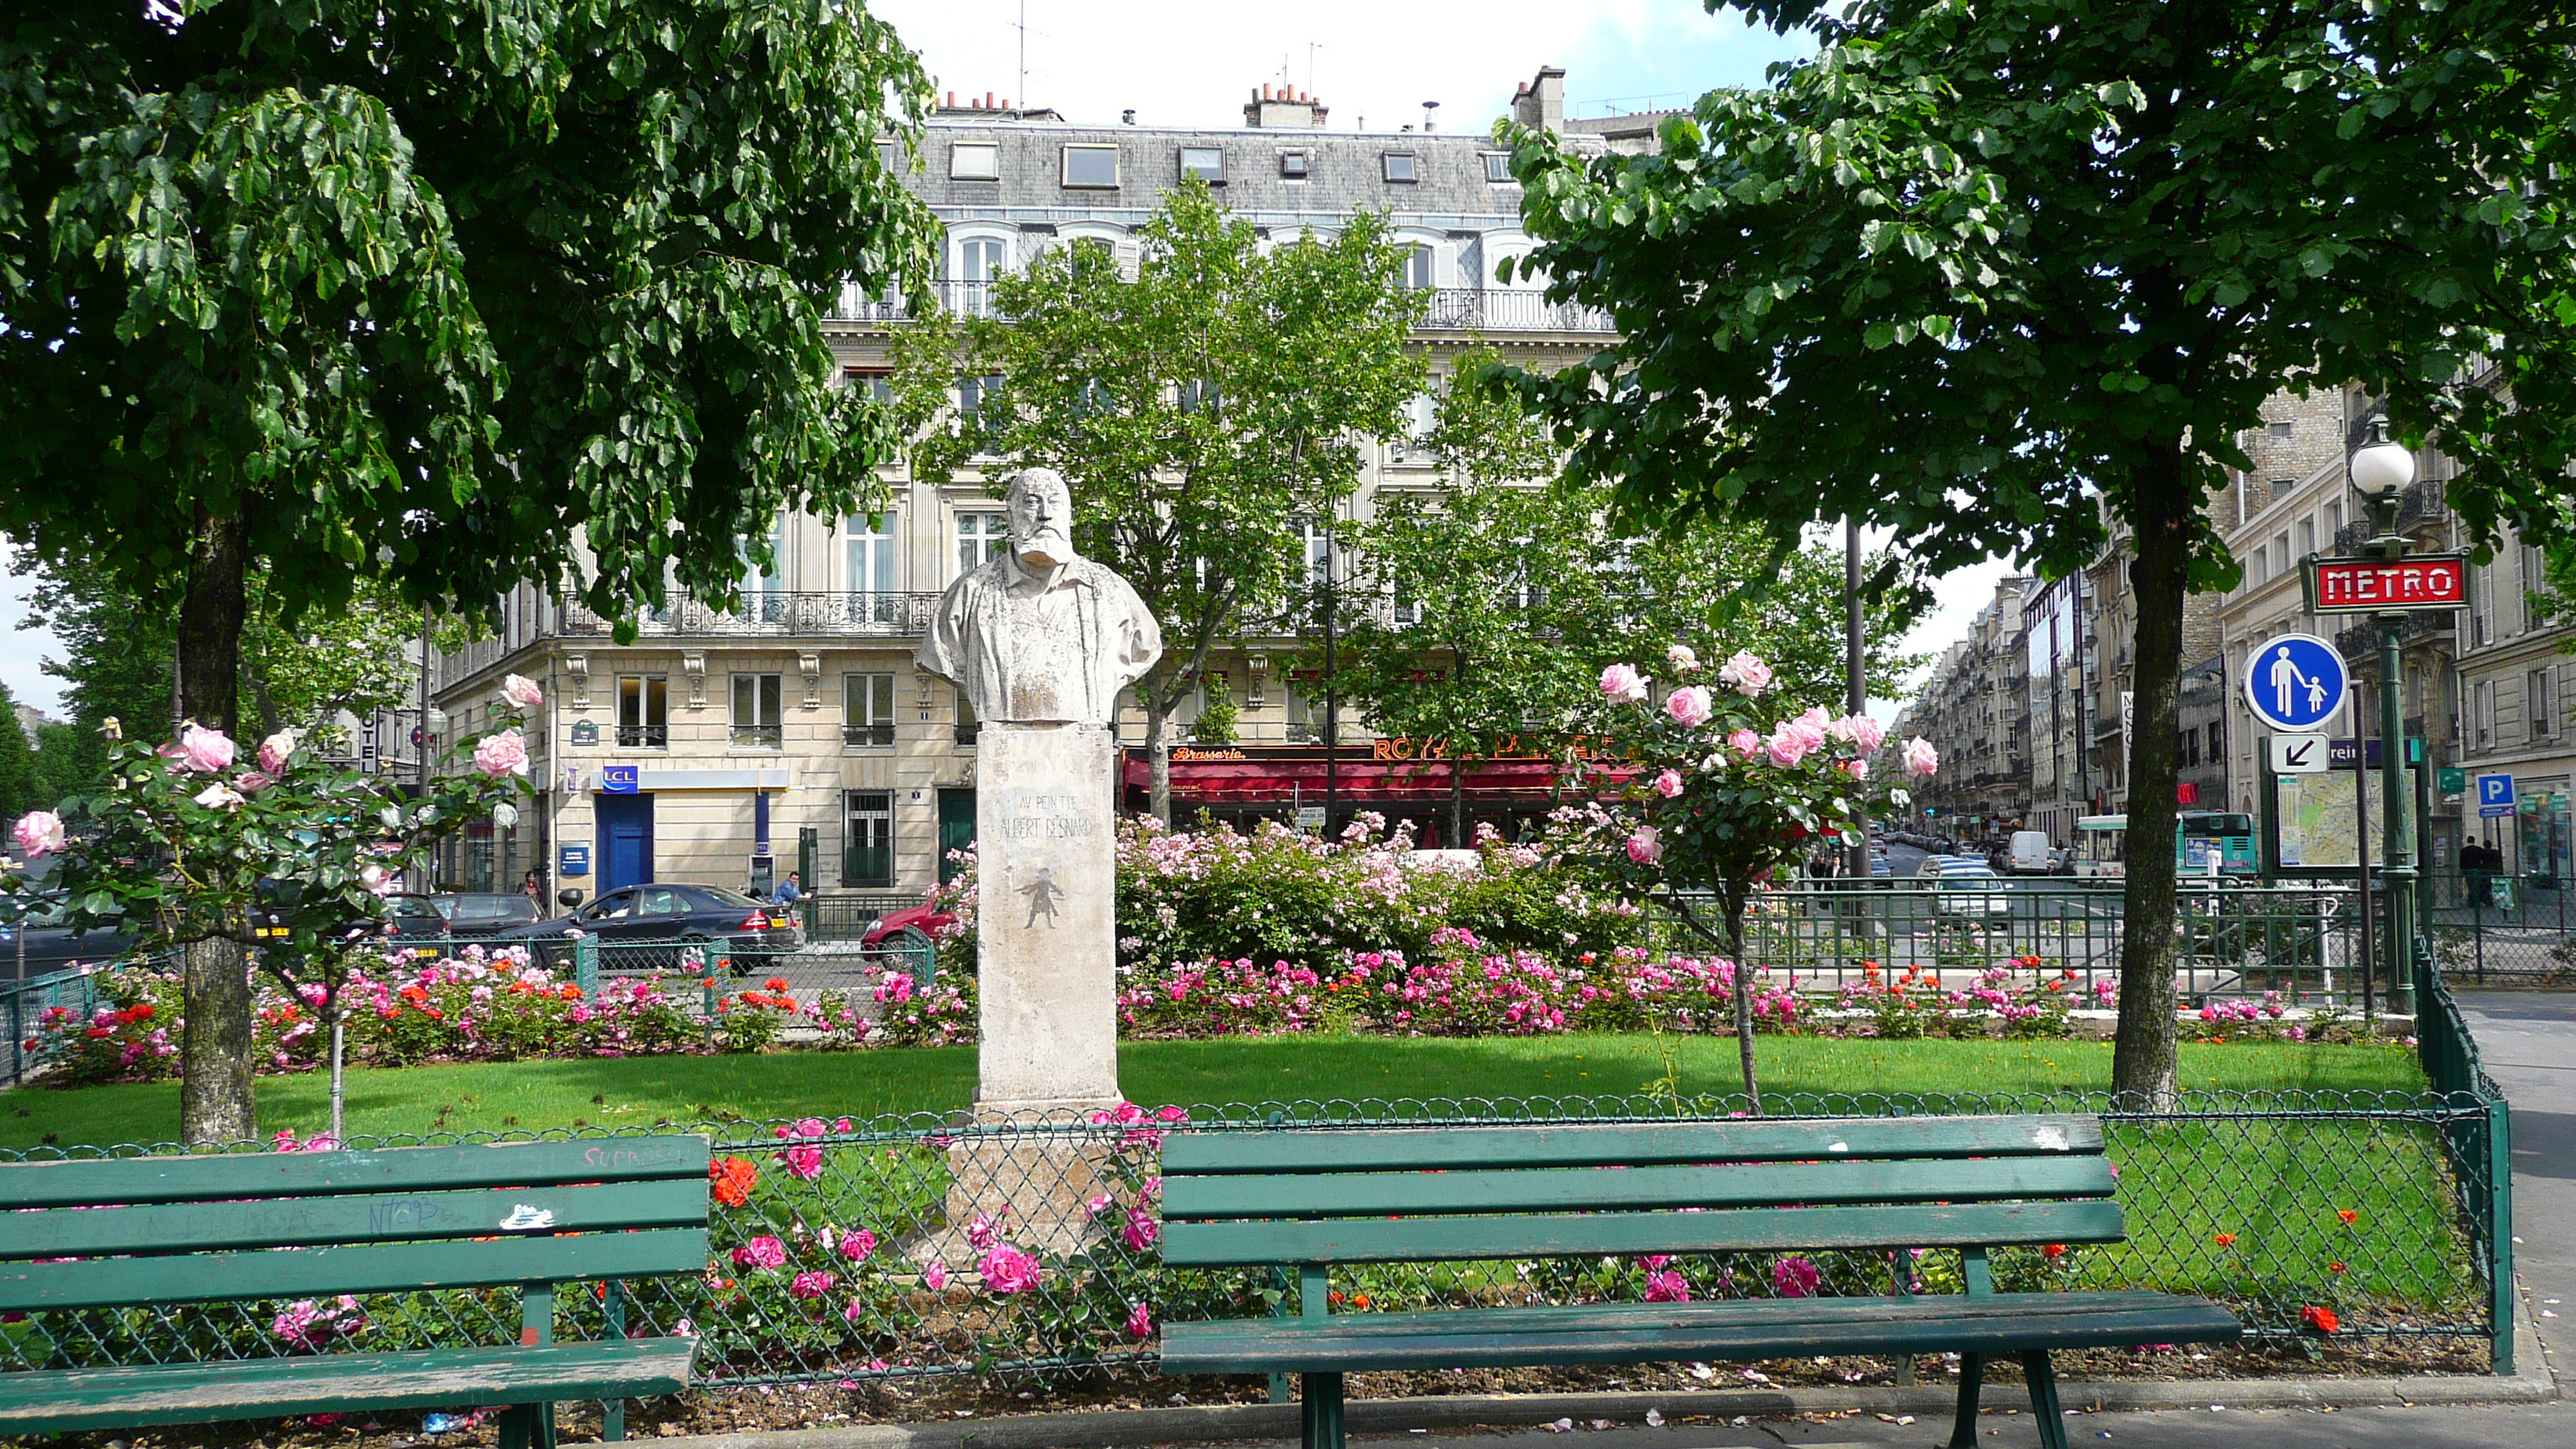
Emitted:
<point x="2143" y="1052"/>
<point x="1158" y="755"/>
<point x="1743" y="1001"/>
<point x="214" y="1059"/>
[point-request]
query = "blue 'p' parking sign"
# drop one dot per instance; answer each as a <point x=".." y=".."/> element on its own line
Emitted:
<point x="2295" y="682"/>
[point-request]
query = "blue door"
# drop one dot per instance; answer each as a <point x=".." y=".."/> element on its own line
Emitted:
<point x="625" y="825"/>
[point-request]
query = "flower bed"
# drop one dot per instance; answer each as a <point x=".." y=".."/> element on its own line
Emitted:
<point x="408" y="1008"/>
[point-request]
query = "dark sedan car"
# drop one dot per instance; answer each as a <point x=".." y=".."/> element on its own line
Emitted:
<point x="41" y="942"/>
<point x="632" y="922"/>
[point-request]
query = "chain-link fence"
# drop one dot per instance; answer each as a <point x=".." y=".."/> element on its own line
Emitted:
<point x="2502" y="928"/>
<point x="922" y="1246"/>
<point x="2300" y="939"/>
<point x="24" y="1004"/>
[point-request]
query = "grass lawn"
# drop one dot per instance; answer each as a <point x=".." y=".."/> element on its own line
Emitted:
<point x="691" y="1090"/>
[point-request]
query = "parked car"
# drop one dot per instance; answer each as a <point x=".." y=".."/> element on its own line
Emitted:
<point x="752" y="933"/>
<point x="480" y="916"/>
<point x="908" y="932"/>
<point x="40" y="942"/>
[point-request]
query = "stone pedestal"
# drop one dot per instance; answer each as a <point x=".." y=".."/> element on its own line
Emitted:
<point x="1046" y="853"/>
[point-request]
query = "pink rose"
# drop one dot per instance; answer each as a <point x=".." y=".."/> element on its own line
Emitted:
<point x="1859" y="730"/>
<point x="204" y="751"/>
<point x="376" y="878"/>
<point x="1745" y="743"/>
<point x="219" y="796"/>
<point x="1682" y="660"/>
<point x="1921" y="760"/>
<point x="1007" y="1270"/>
<point x="39" y="833"/>
<point x="857" y="1244"/>
<point x="1689" y="707"/>
<point x="1796" y="1277"/>
<point x="1140" y="1322"/>
<point x="1668" y="784"/>
<point x="1794" y="740"/>
<point x="804" y="1162"/>
<point x="1667" y="1287"/>
<point x="502" y="754"/>
<point x="761" y="1252"/>
<point x="811" y="1285"/>
<point x="1623" y="684"/>
<point x="522" y="692"/>
<point x="273" y="753"/>
<point x="1749" y="676"/>
<point x="935" y="1276"/>
<point x="1644" y="845"/>
<point x="1857" y="769"/>
<point x="1141" y="1230"/>
<point x="251" y="782"/>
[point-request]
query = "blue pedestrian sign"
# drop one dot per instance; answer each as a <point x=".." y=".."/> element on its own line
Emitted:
<point x="2295" y="682"/>
<point x="2495" y="797"/>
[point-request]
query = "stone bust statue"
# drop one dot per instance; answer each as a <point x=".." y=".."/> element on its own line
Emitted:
<point x="1041" y="635"/>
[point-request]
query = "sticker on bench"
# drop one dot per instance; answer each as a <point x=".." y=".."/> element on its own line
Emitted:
<point x="1838" y="1147"/>
<point x="527" y="1219"/>
<point x="2052" y="1139"/>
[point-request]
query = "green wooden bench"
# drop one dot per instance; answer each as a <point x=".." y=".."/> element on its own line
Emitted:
<point x="150" y="1232"/>
<point x="1312" y="1198"/>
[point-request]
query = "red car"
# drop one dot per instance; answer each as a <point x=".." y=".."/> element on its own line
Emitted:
<point x="909" y="932"/>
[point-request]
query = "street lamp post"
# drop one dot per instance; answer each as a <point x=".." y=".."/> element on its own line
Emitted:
<point x="2380" y="472"/>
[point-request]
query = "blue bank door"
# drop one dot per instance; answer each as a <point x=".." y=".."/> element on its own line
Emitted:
<point x="625" y="825"/>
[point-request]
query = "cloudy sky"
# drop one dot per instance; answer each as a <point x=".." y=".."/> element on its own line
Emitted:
<point x="1188" y="62"/>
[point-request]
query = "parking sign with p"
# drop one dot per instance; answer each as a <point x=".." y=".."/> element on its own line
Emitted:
<point x="2495" y="796"/>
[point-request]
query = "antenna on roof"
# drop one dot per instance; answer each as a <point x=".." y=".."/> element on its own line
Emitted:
<point x="1024" y="50"/>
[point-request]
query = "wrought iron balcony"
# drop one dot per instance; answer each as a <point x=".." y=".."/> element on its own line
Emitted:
<point x="1452" y="309"/>
<point x="776" y="614"/>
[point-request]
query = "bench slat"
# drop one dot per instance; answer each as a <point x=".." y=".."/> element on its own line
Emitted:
<point x="1580" y="1235"/>
<point x="1647" y="1332"/>
<point x="368" y="1268"/>
<point x="380" y="1217"/>
<point x="109" y="1398"/>
<point x="1493" y="1190"/>
<point x="391" y="1169"/>
<point x="1279" y="1150"/>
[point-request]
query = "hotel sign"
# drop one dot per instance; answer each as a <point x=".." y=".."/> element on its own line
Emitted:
<point x="2373" y="585"/>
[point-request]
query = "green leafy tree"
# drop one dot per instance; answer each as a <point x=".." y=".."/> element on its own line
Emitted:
<point x="1217" y="719"/>
<point x="1969" y="273"/>
<point x="22" y="784"/>
<point x="361" y="292"/>
<point x="1200" y="410"/>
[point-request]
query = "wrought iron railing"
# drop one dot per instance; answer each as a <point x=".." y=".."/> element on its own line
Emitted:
<point x="1450" y="309"/>
<point x="772" y="613"/>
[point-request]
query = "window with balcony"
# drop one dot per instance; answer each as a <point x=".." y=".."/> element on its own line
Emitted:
<point x="1319" y="554"/>
<point x="872" y="593"/>
<point x="867" y="840"/>
<point x="981" y="261"/>
<point x="756" y="718"/>
<point x="867" y="710"/>
<point x="2536" y="702"/>
<point x="975" y="161"/>
<point x="764" y="598"/>
<point x="643" y="711"/>
<point x="1091" y="166"/>
<point x="981" y="538"/>
<point x="1421" y="267"/>
<point x="1207" y="163"/>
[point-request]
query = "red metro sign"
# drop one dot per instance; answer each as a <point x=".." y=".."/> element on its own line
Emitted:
<point x="2374" y="585"/>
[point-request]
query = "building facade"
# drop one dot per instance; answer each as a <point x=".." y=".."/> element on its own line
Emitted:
<point x="1975" y="709"/>
<point x="793" y="732"/>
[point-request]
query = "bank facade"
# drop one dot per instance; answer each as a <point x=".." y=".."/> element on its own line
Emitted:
<point x="795" y="728"/>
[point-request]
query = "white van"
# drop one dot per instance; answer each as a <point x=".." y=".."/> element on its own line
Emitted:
<point x="2030" y="853"/>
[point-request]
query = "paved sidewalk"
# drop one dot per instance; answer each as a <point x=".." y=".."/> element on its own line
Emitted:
<point x="2530" y="1426"/>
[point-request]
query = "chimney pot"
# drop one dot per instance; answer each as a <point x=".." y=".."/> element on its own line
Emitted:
<point x="1006" y="103"/>
<point x="952" y="100"/>
<point x="1265" y="90"/>
<point x="988" y="100"/>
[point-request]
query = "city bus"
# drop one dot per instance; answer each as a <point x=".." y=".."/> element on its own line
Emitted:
<point x="2200" y="837"/>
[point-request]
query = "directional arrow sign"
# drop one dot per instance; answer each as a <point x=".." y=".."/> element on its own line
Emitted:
<point x="2298" y="754"/>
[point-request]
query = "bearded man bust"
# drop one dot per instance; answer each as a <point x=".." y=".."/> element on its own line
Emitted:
<point x="1041" y="635"/>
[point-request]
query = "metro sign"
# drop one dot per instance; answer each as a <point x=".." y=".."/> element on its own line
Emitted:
<point x="2376" y="585"/>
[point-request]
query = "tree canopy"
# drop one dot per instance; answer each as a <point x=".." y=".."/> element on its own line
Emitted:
<point x="1203" y="400"/>
<point x="1968" y="268"/>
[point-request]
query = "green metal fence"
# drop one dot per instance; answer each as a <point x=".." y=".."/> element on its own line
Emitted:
<point x="24" y="1004"/>
<point x="2388" y="1208"/>
<point x="2299" y="939"/>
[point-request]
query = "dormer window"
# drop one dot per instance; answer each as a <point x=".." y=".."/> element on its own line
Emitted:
<point x="1399" y="166"/>
<point x="1292" y="165"/>
<point x="1207" y="163"/>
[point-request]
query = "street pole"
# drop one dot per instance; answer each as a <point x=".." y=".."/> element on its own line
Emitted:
<point x="1855" y="678"/>
<point x="2398" y="843"/>
<point x="1332" y="696"/>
